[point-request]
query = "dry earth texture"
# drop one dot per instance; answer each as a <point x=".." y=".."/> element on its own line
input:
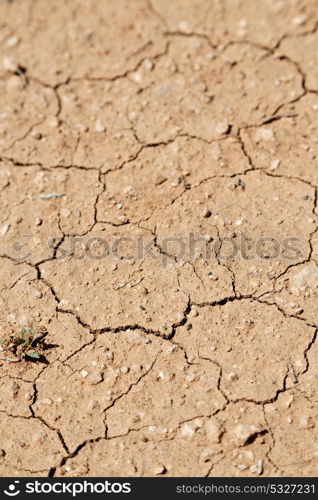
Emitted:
<point x="159" y="235"/>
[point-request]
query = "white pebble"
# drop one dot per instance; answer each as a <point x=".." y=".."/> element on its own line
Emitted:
<point x="243" y="432"/>
<point x="100" y="126"/>
<point x="213" y="431"/>
<point x="275" y="164"/>
<point x="264" y="134"/>
<point x="187" y="431"/>
<point x="4" y="229"/>
<point x="299" y="20"/>
<point x="257" y="468"/>
<point x="13" y="41"/>
<point x="222" y="128"/>
<point x="9" y="64"/>
<point x="53" y="122"/>
<point x="159" y="470"/>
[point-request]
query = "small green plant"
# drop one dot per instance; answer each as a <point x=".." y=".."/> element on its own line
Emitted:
<point x="27" y="341"/>
<point x="29" y="345"/>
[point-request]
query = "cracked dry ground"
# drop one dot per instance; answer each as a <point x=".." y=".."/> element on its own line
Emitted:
<point x="156" y="120"/>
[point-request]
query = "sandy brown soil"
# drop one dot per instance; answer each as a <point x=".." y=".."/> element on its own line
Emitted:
<point x="126" y="129"/>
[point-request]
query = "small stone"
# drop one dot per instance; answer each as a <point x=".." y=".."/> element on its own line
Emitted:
<point x="161" y="375"/>
<point x="289" y="401"/>
<point x="207" y="238"/>
<point x="264" y="134"/>
<point x="213" y="431"/>
<point x="14" y="82"/>
<point x="206" y="213"/>
<point x="187" y="431"/>
<point x="299" y="20"/>
<point x="46" y="401"/>
<point x="197" y="423"/>
<point x="97" y="378"/>
<point x="270" y="408"/>
<point x="305" y="422"/>
<point x="82" y="127"/>
<point x="167" y="403"/>
<point x="212" y="277"/>
<point x="275" y="164"/>
<point x="138" y="368"/>
<point x="211" y="55"/>
<point x="306" y="279"/>
<point x="241" y="466"/>
<point x="222" y="128"/>
<point x="38" y="294"/>
<point x="100" y="126"/>
<point x="136" y="76"/>
<point x="128" y="189"/>
<point x="14" y="388"/>
<point x="257" y="468"/>
<point x="84" y="373"/>
<point x="10" y="64"/>
<point x="148" y="64"/>
<point x="243" y="23"/>
<point x="159" y="470"/>
<point x="160" y="180"/>
<point x="184" y="26"/>
<point x="92" y="404"/>
<point x="48" y="196"/>
<point x="39" y="437"/>
<point x="13" y="41"/>
<point x="193" y="313"/>
<point x="53" y="122"/>
<point x="4" y="229"/>
<point x="171" y="349"/>
<point x="65" y="212"/>
<point x="242" y="433"/>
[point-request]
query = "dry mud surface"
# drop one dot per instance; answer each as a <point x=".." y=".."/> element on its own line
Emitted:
<point x="126" y="129"/>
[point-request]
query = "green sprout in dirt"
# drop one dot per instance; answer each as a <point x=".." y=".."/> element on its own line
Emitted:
<point x="29" y="345"/>
<point x="27" y="342"/>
